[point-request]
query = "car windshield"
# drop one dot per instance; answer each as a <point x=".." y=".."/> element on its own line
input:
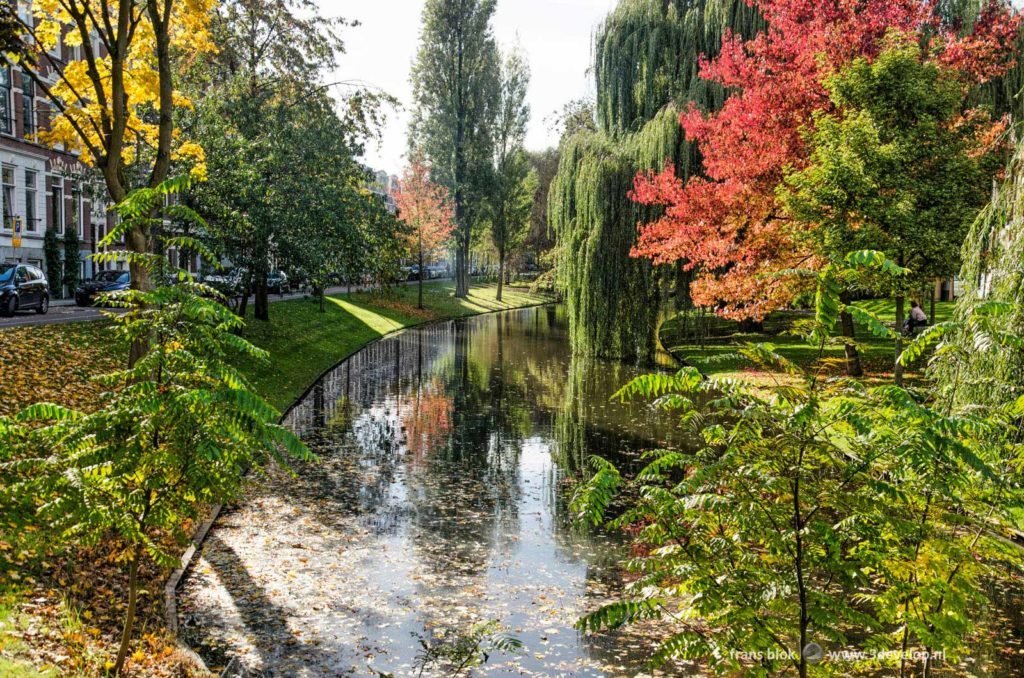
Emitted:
<point x="112" y="276"/>
<point x="7" y="272"/>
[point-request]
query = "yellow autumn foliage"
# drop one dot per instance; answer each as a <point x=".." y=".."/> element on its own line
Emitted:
<point x="86" y="96"/>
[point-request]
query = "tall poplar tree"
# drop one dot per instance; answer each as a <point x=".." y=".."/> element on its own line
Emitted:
<point x="514" y="182"/>
<point x="456" y="90"/>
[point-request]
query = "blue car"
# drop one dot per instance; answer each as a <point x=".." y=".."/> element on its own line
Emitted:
<point x="105" y="281"/>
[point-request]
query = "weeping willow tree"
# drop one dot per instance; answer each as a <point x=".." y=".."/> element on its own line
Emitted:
<point x="970" y="363"/>
<point x="646" y="62"/>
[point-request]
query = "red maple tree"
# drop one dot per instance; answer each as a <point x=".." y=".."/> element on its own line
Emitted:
<point x="425" y="207"/>
<point x="727" y="224"/>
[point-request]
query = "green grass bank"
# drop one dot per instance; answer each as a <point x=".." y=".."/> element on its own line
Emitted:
<point x="715" y="354"/>
<point x="303" y="342"/>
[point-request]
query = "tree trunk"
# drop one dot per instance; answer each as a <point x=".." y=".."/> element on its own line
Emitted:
<point x="501" y="272"/>
<point x="243" y="305"/>
<point x="129" y="617"/>
<point x="419" y="284"/>
<point x="461" y="270"/>
<point x="160" y="18"/>
<point x="261" y="302"/>
<point x="798" y="557"/>
<point x="853" y="364"/>
<point x="897" y="367"/>
<point x="931" y="307"/>
<point x="137" y="240"/>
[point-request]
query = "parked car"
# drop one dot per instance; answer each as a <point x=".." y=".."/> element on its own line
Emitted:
<point x="23" y="287"/>
<point x="412" y="272"/>
<point x="277" y="282"/>
<point x="104" y="281"/>
<point x="437" y="271"/>
<point x="230" y="283"/>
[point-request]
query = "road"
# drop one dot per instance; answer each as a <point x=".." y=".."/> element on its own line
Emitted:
<point x="69" y="314"/>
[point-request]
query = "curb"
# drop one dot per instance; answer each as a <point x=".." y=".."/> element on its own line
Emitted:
<point x="177" y="576"/>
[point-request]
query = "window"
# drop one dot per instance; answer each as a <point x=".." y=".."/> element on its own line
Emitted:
<point x="28" y="105"/>
<point x="31" y="221"/>
<point x="57" y="206"/>
<point x="76" y="208"/>
<point x="25" y="13"/>
<point x="6" y="109"/>
<point x="7" y="176"/>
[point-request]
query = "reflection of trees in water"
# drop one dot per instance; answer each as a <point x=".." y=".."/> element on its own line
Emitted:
<point x="428" y="433"/>
<point x="352" y="420"/>
<point x="468" y="486"/>
<point x="589" y="422"/>
<point x="426" y="419"/>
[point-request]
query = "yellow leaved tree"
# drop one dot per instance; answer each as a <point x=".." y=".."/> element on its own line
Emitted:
<point x="108" y="67"/>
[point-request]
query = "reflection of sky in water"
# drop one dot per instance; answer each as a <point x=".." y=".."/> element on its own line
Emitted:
<point x="439" y="502"/>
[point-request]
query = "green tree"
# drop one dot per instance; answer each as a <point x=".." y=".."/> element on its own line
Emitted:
<point x="268" y="125"/>
<point x="515" y="189"/>
<point x="179" y="429"/>
<point x="810" y="508"/>
<point x="72" y="259"/>
<point x="514" y="183"/>
<point x="544" y="164"/>
<point x="897" y="168"/>
<point x="52" y="252"/>
<point x="456" y="87"/>
<point x="980" y="373"/>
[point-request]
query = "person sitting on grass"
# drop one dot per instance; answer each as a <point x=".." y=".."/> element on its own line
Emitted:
<point x="915" y="321"/>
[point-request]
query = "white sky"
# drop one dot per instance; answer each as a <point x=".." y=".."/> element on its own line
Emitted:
<point x="555" y="35"/>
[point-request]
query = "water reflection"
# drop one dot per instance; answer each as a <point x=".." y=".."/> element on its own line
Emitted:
<point x="439" y="501"/>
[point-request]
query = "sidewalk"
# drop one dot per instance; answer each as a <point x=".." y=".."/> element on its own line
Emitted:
<point x="65" y="310"/>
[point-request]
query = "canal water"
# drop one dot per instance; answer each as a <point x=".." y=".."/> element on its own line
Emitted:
<point x="436" y="514"/>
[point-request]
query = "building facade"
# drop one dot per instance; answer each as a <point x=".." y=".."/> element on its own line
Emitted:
<point x="41" y="188"/>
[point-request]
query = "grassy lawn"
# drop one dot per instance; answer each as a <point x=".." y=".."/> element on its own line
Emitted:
<point x="303" y="342"/>
<point x="716" y="355"/>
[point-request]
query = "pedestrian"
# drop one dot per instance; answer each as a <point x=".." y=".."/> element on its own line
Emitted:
<point x="916" y="320"/>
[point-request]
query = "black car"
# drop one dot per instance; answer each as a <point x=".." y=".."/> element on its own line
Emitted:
<point x="23" y="287"/>
<point x="104" y="281"/>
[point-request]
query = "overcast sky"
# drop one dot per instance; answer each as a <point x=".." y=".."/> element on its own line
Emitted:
<point x="555" y="35"/>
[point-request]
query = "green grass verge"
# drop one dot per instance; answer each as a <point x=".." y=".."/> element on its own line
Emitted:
<point x="303" y="342"/>
<point x="717" y="355"/>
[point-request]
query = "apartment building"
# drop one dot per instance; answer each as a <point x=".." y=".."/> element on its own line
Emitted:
<point x="383" y="184"/>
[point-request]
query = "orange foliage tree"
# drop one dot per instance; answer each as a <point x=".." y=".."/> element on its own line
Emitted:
<point x="424" y="206"/>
